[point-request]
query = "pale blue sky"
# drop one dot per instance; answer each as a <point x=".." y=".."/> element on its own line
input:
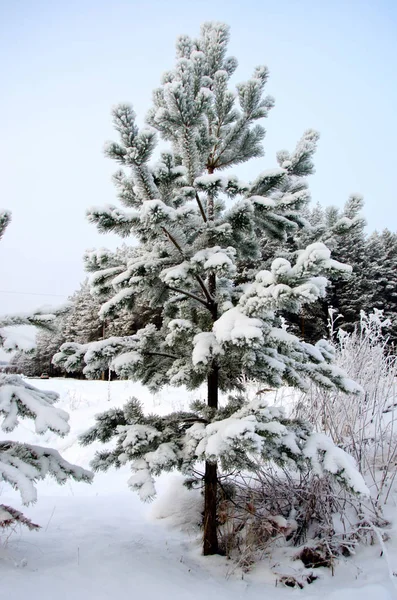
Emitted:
<point x="64" y="64"/>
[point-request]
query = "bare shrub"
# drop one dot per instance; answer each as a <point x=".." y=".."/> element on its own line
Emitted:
<point x="283" y="507"/>
<point x="363" y="425"/>
<point x="273" y="506"/>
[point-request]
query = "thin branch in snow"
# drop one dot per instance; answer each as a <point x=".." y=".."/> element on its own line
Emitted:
<point x="189" y="294"/>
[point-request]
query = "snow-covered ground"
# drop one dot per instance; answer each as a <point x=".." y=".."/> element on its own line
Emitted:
<point x="99" y="541"/>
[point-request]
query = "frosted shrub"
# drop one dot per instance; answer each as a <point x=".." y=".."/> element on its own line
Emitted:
<point x="274" y="506"/>
<point x="365" y="425"/>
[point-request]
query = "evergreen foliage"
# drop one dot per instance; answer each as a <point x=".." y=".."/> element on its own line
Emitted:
<point x="381" y="271"/>
<point x="200" y="233"/>
<point x="22" y="465"/>
<point x="80" y="321"/>
<point x="346" y="236"/>
<point x="372" y="283"/>
<point x="343" y="232"/>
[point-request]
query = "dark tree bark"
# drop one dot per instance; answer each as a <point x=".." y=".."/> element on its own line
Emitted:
<point x="210" y="537"/>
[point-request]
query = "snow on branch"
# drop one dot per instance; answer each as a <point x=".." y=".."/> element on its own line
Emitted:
<point x="124" y="355"/>
<point x="20" y="399"/>
<point x="289" y="287"/>
<point x="13" y="334"/>
<point x="111" y="218"/>
<point x="21" y="465"/>
<point x="236" y="438"/>
<point x="10" y="516"/>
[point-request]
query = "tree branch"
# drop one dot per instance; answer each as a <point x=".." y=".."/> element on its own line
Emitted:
<point x="173" y="240"/>
<point x="186" y="293"/>
<point x="201" y="208"/>
<point x="204" y="288"/>
<point x="164" y="354"/>
<point x="198" y="278"/>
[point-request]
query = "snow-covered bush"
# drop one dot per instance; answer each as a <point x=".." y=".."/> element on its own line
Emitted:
<point x="285" y="507"/>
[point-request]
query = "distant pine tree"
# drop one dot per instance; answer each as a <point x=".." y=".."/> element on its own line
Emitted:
<point x="351" y="295"/>
<point x="342" y="232"/>
<point x="81" y="323"/>
<point x="373" y="282"/>
<point x="381" y="252"/>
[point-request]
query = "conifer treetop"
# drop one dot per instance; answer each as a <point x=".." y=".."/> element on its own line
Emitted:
<point x="194" y="222"/>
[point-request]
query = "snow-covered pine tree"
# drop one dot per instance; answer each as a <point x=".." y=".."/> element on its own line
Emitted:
<point x="373" y="259"/>
<point x="130" y="314"/>
<point x="342" y="231"/>
<point x="389" y="282"/>
<point x="47" y="343"/>
<point x="22" y="465"/>
<point x="199" y="232"/>
<point x="36" y="360"/>
<point x="372" y="283"/>
<point x="24" y="363"/>
<point x="82" y="323"/>
<point x="350" y="295"/>
<point x="381" y="277"/>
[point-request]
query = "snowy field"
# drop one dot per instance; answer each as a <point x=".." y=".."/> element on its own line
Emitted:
<point x="99" y="541"/>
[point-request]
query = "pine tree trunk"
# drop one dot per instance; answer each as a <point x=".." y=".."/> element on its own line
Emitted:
<point x="210" y="538"/>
